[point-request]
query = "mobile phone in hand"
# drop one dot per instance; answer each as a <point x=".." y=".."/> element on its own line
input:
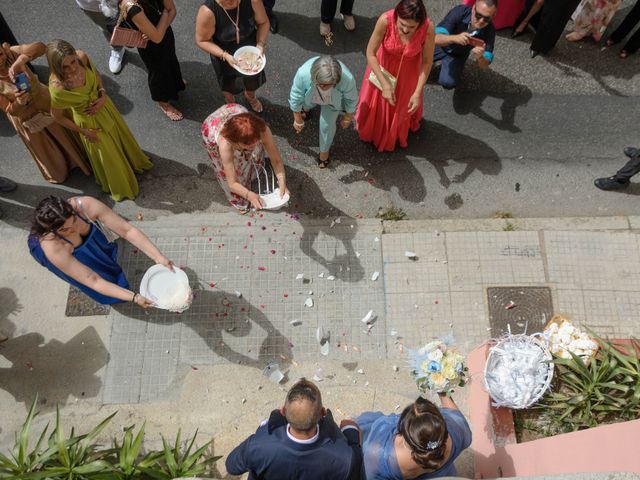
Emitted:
<point x="22" y="82"/>
<point x="476" y="42"/>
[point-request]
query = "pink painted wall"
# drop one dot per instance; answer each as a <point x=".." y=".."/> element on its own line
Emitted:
<point x="609" y="448"/>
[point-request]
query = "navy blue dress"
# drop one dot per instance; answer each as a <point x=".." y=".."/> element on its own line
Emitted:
<point x="96" y="253"/>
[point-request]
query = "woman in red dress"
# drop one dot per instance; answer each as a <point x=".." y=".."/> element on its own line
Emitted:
<point x="402" y="43"/>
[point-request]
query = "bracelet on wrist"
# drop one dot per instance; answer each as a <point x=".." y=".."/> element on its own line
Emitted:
<point x="296" y="124"/>
<point x="133" y="299"/>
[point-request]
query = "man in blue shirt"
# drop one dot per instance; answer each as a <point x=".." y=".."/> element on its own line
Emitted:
<point x="465" y="30"/>
<point x="300" y="442"/>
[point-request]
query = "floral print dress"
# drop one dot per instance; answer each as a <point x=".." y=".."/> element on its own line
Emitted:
<point x="594" y="17"/>
<point x="245" y="162"/>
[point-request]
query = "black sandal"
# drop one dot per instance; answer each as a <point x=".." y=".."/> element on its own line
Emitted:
<point x="323" y="163"/>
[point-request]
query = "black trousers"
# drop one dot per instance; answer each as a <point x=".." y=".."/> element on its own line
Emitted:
<point x="555" y="15"/>
<point x="629" y="170"/>
<point x="328" y="9"/>
<point x="629" y="22"/>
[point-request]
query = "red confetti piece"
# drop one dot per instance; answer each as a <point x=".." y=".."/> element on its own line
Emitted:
<point x="248" y="224"/>
<point x="29" y="365"/>
<point x="262" y="269"/>
<point x="295" y="205"/>
<point x="251" y="236"/>
<point x="261" y="215"/>
<point x="211" y="284"/>
<point x="245" y="247"/>
<point x="242" y="309"/>
<point x="273" y="252"/>
<point x="286" y="295"/>
<point x="263" y="227"/>
<point x="437" y="302"/>
<point x="135" y="250"/>
<point x="210" y="238"/>
<point x="181" y="267"/>
<point x="371" y="181"/>
<point x="262" y="306"/>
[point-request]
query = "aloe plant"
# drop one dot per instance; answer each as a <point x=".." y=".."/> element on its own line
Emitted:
<point x="129" y="465"/>
<point x="22" y="463"/>
<point x="607" y="388"/>
<point x="175" y="463"/>
<point x="77" y="457"/>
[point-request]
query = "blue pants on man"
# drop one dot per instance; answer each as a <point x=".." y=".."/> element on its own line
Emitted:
<point x="452" y="66"/>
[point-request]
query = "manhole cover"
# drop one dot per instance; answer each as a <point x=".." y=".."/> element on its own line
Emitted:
<point x="79" y="305"/>
<point x="521" y="308"/>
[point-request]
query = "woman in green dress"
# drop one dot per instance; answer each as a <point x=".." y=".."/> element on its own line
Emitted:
<point x="112" y="150"/>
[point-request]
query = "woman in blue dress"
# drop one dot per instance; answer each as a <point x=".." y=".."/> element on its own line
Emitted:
<point x="420" y="443"/>
<point x="70" y="238"/>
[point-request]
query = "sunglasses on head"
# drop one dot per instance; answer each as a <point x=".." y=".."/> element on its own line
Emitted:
<point x="479" y="16"/>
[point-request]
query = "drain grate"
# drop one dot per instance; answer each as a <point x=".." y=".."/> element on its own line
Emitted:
<point x="521" y="308"/>
<point x="79" y="305"/>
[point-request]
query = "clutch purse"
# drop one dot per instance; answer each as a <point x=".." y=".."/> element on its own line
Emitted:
<point x="38" y="122"/>
<point x="390" y="78"/>
<point x="124" y="36"/>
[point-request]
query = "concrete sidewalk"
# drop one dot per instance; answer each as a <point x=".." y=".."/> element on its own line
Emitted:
<point x="203" y="368"/>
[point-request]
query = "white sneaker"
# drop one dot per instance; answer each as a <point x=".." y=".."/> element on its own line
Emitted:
<point x="115" y="60"/>
<point x="325" y="29"/>
<point x="349" y="22"/>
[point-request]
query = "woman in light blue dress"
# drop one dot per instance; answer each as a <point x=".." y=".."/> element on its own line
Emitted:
<point x="420" y="443"/>
<point x="327" y="82"/>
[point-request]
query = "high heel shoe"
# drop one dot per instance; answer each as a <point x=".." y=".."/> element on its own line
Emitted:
<point x="515" y="33"/>
<point x="533" y="53"/>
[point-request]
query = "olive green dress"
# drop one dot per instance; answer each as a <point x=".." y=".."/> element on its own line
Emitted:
<point x="117" y="155"/>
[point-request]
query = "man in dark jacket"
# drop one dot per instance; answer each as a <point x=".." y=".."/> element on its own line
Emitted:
<point x="300" y="441"/>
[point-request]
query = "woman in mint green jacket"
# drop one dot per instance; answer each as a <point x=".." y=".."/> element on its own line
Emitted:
<point x="327" y="82"/>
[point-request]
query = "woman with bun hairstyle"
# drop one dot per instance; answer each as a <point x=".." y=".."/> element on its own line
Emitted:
<point x="422" y="442"/>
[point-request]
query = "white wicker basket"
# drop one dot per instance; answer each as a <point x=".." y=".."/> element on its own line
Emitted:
<point x="506" y="380"/>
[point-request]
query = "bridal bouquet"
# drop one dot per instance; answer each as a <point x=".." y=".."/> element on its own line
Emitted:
<point x="437" y="367"/>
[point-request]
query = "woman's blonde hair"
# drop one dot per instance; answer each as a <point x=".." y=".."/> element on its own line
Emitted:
<point x="57" y="51"/>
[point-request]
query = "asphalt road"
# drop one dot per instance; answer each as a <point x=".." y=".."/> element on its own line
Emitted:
<point x="526" y="137"/>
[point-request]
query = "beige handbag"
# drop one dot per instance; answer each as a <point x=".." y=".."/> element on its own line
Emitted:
<point x="38" y="122"/>
<point x="127" y="37"/>
<point x="390" y="78"/>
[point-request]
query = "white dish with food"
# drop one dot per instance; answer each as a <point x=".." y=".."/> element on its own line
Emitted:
<point x="249" y="60"/>
<point x="272" y="201"/>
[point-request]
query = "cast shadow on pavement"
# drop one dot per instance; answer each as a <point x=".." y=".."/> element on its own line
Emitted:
<point x="440" y="145"/>
<point x="388" y="170"/>
<point x="304" y="31"/>
<point x="53" y="370"/>
<point x="493" y="85"/>
<point x="344" y="265"/>
<point x="215" y="315"/>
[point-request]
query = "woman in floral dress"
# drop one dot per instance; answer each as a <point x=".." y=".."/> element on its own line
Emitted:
<point x="593" y="19"/>
<point x="236" y="142"/>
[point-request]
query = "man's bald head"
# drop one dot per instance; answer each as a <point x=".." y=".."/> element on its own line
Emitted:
<point x="303" y="406"/>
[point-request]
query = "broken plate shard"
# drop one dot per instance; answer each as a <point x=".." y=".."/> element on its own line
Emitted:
<point x="238" y="294"/>
<point x="308" y="302"/>
<point x="300" y="276"/>
<point x="323" y="339"/>
<point x="410" y="254"/>
<point x="321" y="274"/>
<point x="375" y="276"/>
<point x="324" y="349"/>
<point x="368" y="317"/>
<point x="360" y="371"/>
<point x="317" y="377"/>
<point x="331" y="278"/>
<point x="273" y="373"/>
<point x="295" y="323"/>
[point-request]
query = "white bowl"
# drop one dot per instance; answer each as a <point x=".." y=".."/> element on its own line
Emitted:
<point x="252" y="49"/>
<point x="159" y="284"/>
<point x="272" y="201"/>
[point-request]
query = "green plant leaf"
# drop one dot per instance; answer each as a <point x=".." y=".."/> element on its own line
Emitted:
<point x="169" y="458"/>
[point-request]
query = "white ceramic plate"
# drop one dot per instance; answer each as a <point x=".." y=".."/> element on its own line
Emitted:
<point x="158" y="284"/>
<point x="255" y="50"/>
<point x="272" y="201"/>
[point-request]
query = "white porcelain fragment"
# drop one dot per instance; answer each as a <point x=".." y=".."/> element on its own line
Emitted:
<point x="331" y="278"/>
<point x="410" y="254"/>
<point x="295" y="323"/>
<point x="375" y="276"/>
<point x="368" y="317"/>
<point x="300" y="276"/>
<point x="308" y="302"/>
<point x="360" y="371"/>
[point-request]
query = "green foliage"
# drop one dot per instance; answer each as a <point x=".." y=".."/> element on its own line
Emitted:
<point x="605" y="390"/>
<point x="175" y="463"/>
<point x="78" y="457"/>
<point x="22" y="463"/>
<point x="392" y="214"/>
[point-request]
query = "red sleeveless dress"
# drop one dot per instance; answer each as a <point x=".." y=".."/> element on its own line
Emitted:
<point x="377" y="120"/>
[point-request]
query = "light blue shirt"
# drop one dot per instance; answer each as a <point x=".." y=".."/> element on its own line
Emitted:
<point x="344" y="96"/>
